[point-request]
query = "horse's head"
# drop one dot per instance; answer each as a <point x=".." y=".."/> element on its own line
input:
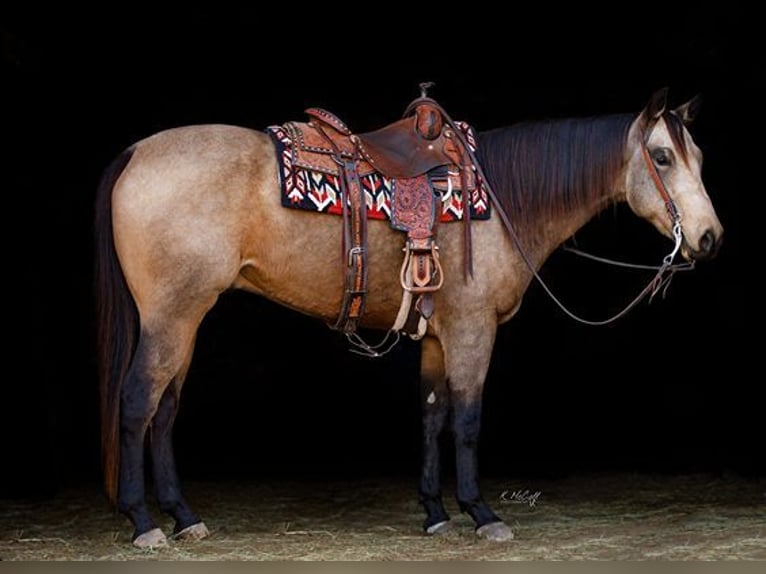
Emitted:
<point x="664" y="177"/>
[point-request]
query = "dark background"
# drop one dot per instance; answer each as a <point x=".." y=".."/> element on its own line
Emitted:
<point x="670" y="388"/>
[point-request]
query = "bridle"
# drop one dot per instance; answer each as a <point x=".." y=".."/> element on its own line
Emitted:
<point x="670" y="206"/>
<point x="665" y="271"/>
<point x="660" y="281"/>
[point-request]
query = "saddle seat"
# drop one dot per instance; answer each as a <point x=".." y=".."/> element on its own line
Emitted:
<point x="414" y="145"/>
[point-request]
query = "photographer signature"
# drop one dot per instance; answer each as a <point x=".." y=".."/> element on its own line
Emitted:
<point x="521" y="497"/>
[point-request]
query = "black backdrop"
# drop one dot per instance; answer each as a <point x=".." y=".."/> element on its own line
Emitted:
<point x="273" y="393"/>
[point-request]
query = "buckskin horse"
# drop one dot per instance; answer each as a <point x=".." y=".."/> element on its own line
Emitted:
<point x="191" y="212"/>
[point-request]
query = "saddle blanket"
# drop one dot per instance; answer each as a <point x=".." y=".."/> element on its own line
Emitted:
<point x="316" y="191"/>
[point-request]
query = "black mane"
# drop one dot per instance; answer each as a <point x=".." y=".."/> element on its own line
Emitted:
<point x="541" y="170"/>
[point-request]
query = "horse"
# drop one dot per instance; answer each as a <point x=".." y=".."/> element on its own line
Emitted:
<point x="191" y="212"/>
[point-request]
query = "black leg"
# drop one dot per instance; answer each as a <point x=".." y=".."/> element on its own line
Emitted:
<point x="167" y="484"/>
<point x="135" y="413"/>
<point x="467" y="423"/>
<point x="466" y="365"/>
<point x="435" y="403"/>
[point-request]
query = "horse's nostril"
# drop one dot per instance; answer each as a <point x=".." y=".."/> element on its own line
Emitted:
<point x="707" y="243"/>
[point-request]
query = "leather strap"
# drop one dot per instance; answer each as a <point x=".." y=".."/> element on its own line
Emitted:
<point x="354" y="239"/>
<point x="468" y="249"/>
<point x="356" y="261"/>
<point x="660" y="185"/>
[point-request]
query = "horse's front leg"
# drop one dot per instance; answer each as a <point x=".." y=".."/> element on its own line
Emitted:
<point x="435" y="404"/>
<point x="467" y="354"/>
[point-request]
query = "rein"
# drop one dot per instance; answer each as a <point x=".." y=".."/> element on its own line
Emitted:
<point x="665" y="271"/>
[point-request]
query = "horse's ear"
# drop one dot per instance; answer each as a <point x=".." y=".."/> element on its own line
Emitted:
<point x="654" y="108"/>
<point x="688" y="111"/>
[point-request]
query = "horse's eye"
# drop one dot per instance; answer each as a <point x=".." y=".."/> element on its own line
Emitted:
<point x="662" y="156"/>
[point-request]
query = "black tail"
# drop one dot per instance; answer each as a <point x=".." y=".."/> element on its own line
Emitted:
<point x="117" y="324"/>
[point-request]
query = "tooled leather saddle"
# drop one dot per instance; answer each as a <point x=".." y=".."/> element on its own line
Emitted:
<point x="425" y="155"/>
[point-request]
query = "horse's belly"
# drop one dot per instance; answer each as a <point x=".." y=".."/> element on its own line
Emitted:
<point x="304" y="267"/>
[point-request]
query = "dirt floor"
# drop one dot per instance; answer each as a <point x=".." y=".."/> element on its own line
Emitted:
<point x="615" y="517"/>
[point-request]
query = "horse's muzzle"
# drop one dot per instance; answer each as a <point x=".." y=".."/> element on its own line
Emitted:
<point x="709" y="245"/>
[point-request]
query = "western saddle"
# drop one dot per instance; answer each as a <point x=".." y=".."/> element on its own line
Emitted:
<point x="425" y="154"/>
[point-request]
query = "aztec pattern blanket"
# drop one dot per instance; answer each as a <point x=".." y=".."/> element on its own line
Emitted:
<point x="315" y="191"/>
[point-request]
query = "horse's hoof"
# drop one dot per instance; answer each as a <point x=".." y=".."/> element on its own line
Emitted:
<point x="495" y="532"/>
<point x="194" y="532"/>
<point x="439" y="528"/>
<point x="153" y="538"/>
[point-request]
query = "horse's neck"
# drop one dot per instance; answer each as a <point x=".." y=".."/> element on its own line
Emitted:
<point x="557" y="230"/>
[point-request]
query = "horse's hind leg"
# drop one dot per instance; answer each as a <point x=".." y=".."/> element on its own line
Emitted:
<point x="167" y="484"/>
<point x="161" y="354"/>
<point x="435" y="404"/>
<point x="138" y="401"/>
